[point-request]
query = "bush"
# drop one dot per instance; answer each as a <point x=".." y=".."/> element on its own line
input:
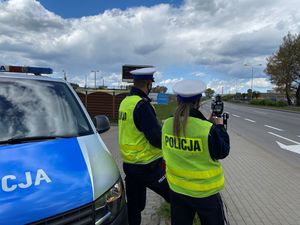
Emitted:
<point x="270" y="102"/>
<point x="255" y="102"/>
<point x="228" y="97"/>
<point x="281" y="103"/>
<point x="267" y="102"/>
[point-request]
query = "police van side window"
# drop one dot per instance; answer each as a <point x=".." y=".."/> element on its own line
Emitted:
<point x="30" y="108"/>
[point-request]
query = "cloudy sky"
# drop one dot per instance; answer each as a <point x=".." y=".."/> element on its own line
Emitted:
<point x="209" y="40"/>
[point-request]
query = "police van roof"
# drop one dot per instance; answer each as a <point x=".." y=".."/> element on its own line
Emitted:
<point x="20" y="71"/>
<point x="29" y="77"/>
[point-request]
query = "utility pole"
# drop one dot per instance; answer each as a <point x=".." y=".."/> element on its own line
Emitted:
<point x="95" y="71"/>
<point x="251" y="96"/>
<point x="102" y="81"/>
<point x="65" y="74"/>
<point x="235" y="87"/>
<point x="85" y="80"/>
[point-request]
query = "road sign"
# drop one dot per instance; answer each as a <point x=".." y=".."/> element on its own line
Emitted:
<point x="162" y="99"/>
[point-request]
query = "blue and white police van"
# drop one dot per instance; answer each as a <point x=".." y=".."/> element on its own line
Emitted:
<point x="54" y="166"/>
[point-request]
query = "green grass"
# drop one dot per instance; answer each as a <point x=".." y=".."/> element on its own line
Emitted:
<point x="165" y="111"/>
<point x="165" y="212"/>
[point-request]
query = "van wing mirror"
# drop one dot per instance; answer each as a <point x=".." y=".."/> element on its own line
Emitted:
<point x="101" y="123"/>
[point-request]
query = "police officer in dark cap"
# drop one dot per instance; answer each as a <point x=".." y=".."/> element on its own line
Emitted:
<point x="140" y="145"/>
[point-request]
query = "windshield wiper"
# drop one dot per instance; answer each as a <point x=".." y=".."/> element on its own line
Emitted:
<point x="18" y="140"/>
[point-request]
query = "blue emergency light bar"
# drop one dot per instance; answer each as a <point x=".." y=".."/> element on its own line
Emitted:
<point x="26" y="69"/>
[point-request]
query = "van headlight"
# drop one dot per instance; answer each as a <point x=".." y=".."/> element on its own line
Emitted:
<point x="108" y="206"/>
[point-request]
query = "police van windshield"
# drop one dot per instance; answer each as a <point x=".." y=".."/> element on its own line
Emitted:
<point x="30" y="108"/>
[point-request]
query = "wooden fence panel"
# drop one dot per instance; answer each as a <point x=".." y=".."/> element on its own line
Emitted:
<point x="102" y="103"/>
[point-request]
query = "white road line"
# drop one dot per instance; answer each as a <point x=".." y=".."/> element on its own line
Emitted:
<point x="235" y="115"/>
<point x="260" y="112"/>
<point x="284" y="138"/>
<point x="292" y="148"/>
<point x="298" y="135"/>
<point x="252" y="121"/>
<point x="273" y="128"/>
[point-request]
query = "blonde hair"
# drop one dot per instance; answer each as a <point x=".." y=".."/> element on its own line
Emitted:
<point x="181" y="115"/>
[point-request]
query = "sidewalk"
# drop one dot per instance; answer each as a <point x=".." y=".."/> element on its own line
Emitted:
<point x="260" y="189"/>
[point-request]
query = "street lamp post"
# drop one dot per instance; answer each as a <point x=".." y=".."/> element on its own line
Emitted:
<point x="102" y="81"/>
<point x="252" y="77"/>
<point x="95" y="71"/>
<point x="85" y="81"/>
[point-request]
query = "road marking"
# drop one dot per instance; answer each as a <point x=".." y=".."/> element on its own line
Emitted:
<point x="235" y="115"/>
<point x="260" y="112"/>
<point x="252" y="121"/>
<point x="298" y="135"/>
<point x="295" y="142"/>
<point x="292" y="148"/>
<point x="273" y="128"/>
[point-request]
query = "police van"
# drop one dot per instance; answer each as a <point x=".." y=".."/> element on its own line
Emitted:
<point x="54" y="166"/>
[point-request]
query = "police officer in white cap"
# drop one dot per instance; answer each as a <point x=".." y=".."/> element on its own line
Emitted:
<point x="140" y="145"/>
<point x="192" y="146"/>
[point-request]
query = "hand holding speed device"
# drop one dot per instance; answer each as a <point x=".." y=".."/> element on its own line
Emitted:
<point x="217" y="107"/>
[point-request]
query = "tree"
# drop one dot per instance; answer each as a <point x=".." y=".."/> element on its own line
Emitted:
<point x="256" y="94"/>
<point x="159" y="89"/>
<point x="283" y="67"/>
<point x="249" y="91"/>
<point x="297" y="71"/>
<point x="244" y="96"/>
<point x="209" y="92"/>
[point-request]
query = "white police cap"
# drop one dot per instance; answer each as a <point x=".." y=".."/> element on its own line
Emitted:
<point x="189" y="90"/>
<point x="143" y="74"/>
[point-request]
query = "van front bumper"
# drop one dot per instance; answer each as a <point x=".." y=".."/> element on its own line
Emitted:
<point x="122" y="218"/>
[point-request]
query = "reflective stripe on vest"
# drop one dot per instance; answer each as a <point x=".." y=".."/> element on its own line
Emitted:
<point x="189" y="167"/>
<point x="195" y="186"/>
<point x="134" y="146"/>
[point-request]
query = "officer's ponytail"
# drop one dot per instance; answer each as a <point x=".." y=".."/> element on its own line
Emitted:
<point x="180" y="117"/>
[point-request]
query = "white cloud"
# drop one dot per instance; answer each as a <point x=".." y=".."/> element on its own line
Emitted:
<point x="170" y="81"/>
<point x="260" y="83"/>
<point x="199" y="74"/>
<point x="219" y="35"/>
<point x="232" y="86"/>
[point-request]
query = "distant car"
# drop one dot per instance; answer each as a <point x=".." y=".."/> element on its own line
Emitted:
<point x="54" y="166"/>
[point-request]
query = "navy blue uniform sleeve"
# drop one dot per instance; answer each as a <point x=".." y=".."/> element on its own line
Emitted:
<point x="145" y="120"/>
<point x="218" y="142"/>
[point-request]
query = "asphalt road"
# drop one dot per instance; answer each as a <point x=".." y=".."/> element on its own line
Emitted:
<point x="275" y="131"/>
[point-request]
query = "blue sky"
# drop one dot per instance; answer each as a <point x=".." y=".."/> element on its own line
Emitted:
<point x="77" y="9"/>
<point x="209" y="40"/>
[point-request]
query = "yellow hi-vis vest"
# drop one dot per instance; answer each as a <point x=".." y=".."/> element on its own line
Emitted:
<point x="189" y="167"/>
<point x="134" y="146"/>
